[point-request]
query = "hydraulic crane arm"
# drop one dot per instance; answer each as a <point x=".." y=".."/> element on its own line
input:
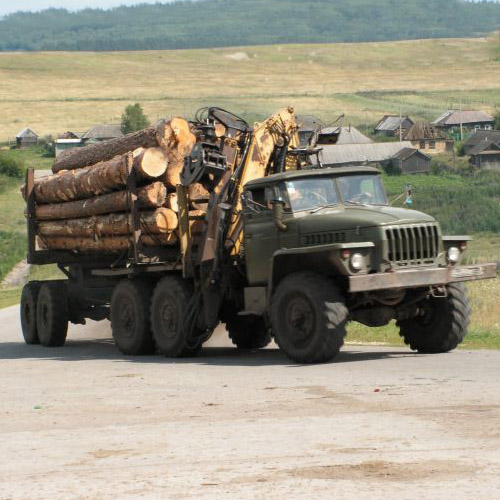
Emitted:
<point x="279" y="132"/>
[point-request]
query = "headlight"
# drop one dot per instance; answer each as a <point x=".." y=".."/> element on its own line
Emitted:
<point x="357" y="261"/>
<point x="453" y="254"/>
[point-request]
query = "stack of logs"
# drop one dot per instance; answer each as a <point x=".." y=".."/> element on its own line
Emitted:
<point x="85" y="205"/>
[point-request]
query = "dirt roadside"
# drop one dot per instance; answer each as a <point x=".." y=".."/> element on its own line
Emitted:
<point x="85" y="422"/>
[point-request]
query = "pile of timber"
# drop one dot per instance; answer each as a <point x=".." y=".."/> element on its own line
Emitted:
<point x="85" y="205"/>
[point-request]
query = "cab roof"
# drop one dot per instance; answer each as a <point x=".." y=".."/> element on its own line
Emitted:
<point x="317" y="172"/>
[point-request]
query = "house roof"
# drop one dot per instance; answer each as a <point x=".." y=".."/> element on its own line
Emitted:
<point x="455" y="117"/>
<point x="484" y="147"/>
<point x="104" y="131"/>
<point x="361" y="153"/>
<point x="482" y="136"/>
<point x="407" y="153"/>
<point x="422" y="131"/>
<point x="26" y="132"/>
<point x="346" y="135"/>
<point x="389" y="123"/>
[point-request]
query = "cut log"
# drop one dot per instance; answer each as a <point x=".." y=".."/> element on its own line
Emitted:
<point x="149" y="196"/>
<point x="160" y="221"/>
<point x="102" y="178"/>
<point x="107" y="244"/>
<point x="172" y="202"/>
<point x="106" y="150"/>
<point x="185" y="140"/>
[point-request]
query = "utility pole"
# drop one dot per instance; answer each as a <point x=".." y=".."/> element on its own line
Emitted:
<point x="400" y="124"/>
<point x="461" y="125"/>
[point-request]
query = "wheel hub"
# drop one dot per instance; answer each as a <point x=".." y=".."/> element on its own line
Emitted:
<point x="127" y="319"/>
<point x="300" y="320"/>
<point x="169" y="319"/>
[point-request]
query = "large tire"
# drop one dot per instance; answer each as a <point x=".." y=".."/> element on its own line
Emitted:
<point x="248" y="332"/>
<point x="169" y="307"/>
<point x="29" y="297"/>
<point x="52" y="314"/>
<point x="129" y="317"/>
<point x="309" y="318"/>
<point x="442" y="326"/>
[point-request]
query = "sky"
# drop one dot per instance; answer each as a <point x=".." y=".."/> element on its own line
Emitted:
<point x="9" y="6"/>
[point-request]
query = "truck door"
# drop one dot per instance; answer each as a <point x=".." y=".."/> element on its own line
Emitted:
<point x="261" y="235"/>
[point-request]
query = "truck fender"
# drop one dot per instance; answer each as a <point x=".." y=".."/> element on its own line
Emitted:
<point x="323" y="259"/>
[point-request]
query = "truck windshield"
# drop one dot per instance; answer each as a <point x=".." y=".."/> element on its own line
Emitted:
<point x="307" y="194"/>
<point x="362" y="190"/>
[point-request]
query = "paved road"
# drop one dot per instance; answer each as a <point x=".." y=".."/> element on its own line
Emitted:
<point x="83" y="421"/>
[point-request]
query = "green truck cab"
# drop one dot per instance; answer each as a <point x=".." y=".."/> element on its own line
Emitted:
<point x="323" y="247"/>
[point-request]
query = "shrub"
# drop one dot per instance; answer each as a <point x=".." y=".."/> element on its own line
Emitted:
<point x="11" y="167"/>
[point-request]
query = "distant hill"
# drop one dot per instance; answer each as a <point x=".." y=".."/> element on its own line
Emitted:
<point x="219" y="23"/>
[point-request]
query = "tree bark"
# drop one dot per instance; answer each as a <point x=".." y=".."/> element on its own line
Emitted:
<point x="160" y="221"/>
<point x="106" y="150"/>
<point x="107" y="244"/>
<point x="99" y="179"/>
<point x="149" y="196"/>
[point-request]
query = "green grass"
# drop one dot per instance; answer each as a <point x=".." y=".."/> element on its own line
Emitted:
<point x="12" y="250"/>
<point x="29" y="157"/>
<point x="9" y="297"/>
<point x="477" y="338"/>
<point x="462" y="205"/>
<point x="361" y="80"/>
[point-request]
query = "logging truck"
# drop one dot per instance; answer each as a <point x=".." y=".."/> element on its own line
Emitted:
<point x="248" y="229"/>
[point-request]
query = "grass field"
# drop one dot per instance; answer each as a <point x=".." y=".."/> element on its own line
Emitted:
<point x="54" y="92"/>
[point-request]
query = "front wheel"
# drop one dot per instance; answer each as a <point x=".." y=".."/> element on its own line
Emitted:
<point x="442" y="324"/>
<point x="309" y="318"/>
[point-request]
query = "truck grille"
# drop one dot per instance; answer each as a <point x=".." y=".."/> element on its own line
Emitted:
<point x="413" y="243"/>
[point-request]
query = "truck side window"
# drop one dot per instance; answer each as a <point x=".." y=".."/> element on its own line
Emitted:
<point x="255" y="200"/>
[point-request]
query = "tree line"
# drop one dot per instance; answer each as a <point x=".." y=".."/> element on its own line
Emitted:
<point x="220" y="23"/>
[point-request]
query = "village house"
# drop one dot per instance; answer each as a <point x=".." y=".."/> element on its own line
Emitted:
<point x="428" y="138"/>
<point x="411" y="161"/>
<point x="393" y="125"/>
<point x="360" y="154"/>
<point x="486" y="155"/>
<point x="463" y="122"/>
<point x="102" y="132"/>
<point x="478" y="137"/>
<point x="26" y="138"/>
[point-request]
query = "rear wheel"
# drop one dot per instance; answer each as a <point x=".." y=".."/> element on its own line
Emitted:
<point x="248" y="332"/>
<point x="169" y="318"/>
<point x="442" y="324"/>
<point x="29" y="297"/>
<point x="309" y="318"/>
<point x="52" y="314"/>
<point x="130" y="317"/>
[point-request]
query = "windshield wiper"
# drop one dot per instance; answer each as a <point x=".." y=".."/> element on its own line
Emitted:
<point x="323" y="206"/>
<point x="355" y="203"/>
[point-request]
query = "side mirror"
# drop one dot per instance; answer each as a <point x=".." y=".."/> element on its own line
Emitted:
<point x="278" y="209"/>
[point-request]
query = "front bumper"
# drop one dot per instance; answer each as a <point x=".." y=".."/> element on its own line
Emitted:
<point x="413" y="278"/>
